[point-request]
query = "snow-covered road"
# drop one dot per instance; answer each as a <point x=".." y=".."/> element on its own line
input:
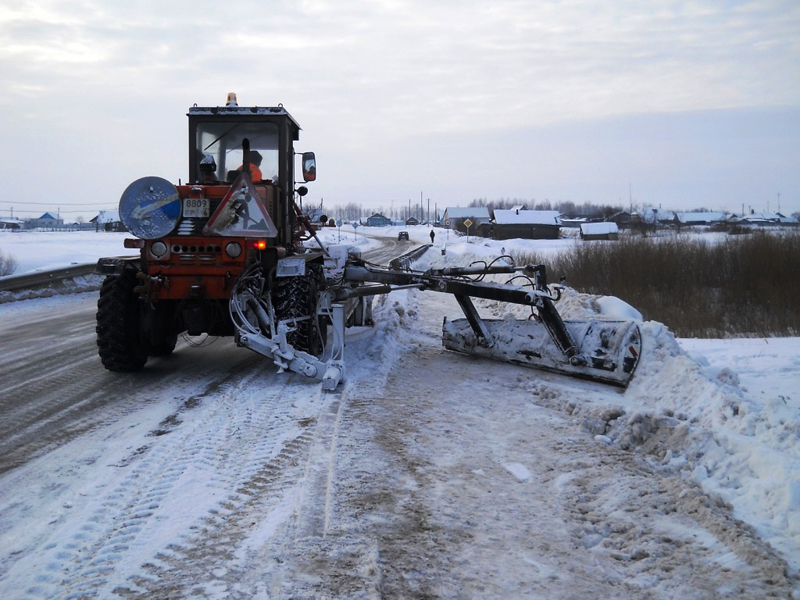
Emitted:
<point x="429" y="474"/>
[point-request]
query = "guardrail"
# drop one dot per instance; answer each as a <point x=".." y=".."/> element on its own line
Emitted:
<point x="404" y="261"/>
<point x="31" y="281"/>
<point x="37" y="284"/>
<point x="20" y="282"/>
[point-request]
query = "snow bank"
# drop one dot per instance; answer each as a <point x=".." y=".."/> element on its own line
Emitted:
<point x="690" y="415"/>
<point x="701" y="421"/>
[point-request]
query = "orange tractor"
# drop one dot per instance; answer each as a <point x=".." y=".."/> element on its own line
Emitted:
<point x="225" y="254"/>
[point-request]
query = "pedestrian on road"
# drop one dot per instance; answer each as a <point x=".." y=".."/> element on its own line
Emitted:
<point x="433" y="235"/>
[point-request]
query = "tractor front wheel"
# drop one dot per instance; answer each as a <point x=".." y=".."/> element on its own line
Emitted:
<point x="119" y="340"/>
<point x="296" y="298"/>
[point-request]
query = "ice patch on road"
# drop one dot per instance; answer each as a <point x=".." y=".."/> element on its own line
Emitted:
<point x="518" y="470"/>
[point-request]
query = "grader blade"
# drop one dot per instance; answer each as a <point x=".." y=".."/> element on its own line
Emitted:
<point x="604" y="351"/>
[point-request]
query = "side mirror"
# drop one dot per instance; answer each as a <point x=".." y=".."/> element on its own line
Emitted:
<point x="309" y="166"/>
<point x="302" y="191"/>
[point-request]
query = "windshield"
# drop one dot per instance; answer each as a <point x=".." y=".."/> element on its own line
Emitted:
<point x="222" y="142"/>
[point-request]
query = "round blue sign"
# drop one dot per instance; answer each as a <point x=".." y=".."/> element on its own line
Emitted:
<point x="150" y="207"/>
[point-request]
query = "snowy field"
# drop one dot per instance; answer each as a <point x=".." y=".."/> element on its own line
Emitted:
<point x="44" y="250"/>
<point x="724" y="414"/>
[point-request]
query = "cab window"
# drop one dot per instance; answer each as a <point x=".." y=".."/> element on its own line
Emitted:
<point x="223" y="143"/>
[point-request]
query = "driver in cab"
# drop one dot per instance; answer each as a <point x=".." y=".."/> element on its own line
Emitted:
<point x="255" y="164"/>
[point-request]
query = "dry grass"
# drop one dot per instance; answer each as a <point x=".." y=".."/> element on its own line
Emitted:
<point x="743" y="286"/>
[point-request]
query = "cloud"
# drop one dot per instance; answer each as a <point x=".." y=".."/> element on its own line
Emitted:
<point x="361" y="75"/>
<point x="675" y="160"/>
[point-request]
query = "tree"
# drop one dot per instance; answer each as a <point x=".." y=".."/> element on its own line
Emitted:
<point x="8" y="264"/>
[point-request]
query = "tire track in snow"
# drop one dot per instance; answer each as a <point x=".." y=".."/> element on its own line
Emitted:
<point x="56" y="407"/>
<point x="461" y="486"/>
<point x="307" y="554"/>
<point x="95" y="543"/>
<point x="224" y="454"/>
<point x="663" y="529"/>
<point x="53" y="387"/>
<point x="207" y="561"/>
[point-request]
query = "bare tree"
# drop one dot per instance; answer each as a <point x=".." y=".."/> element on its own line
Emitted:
<point x="8" y="264"/>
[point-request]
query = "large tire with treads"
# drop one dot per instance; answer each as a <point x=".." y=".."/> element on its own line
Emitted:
<point x="119" y="340"/>
<point x="297" y="297"/>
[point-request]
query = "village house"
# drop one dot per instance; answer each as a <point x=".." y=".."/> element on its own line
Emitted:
<point x="108" y="220"/>
<point x="378" y="220"/>
<point x="455" y="216"/>
<point x="524" y="224"/>
<point x="599" y="231"/>
<point x="46" y="221"/>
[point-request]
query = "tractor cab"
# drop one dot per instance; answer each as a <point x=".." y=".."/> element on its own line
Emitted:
<point x="225" y="141"/>
<point x="217" y="136"/>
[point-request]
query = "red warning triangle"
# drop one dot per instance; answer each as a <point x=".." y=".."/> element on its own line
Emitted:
<point x="241" y="213"/>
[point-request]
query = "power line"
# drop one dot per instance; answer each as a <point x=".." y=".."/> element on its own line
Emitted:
<point x="61" y="211"/>
<point x="25" y="203"/>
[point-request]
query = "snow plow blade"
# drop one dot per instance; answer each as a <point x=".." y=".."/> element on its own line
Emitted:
<point x="607" y="351"/>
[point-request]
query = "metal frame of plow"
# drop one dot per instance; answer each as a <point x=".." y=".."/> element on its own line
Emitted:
<point x="597" y="349"/>
<point x="258" y="329"/>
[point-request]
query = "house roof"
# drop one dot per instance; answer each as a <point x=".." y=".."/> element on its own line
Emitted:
<point x="106" y="216"/>
<point x="599" y="228"/>
<point x="526" y="217"/>
<point x="701" y="217"/>
<point x="768" y="218"/>
<point x="621" y="216"/>
<point x="47" y="215"/>
<point x="476" y="212"/>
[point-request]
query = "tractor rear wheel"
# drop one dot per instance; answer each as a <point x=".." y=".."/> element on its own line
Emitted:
<point x="119" y="340"/>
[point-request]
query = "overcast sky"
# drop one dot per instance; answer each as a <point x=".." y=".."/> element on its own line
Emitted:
<point x="672" y="104"/>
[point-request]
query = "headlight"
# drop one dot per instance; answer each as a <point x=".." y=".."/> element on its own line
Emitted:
<point x="158" y="249"/>
<point x="233" y="249"/>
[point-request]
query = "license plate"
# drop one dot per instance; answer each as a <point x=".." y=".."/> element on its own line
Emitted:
<point x="195" y="207"/>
